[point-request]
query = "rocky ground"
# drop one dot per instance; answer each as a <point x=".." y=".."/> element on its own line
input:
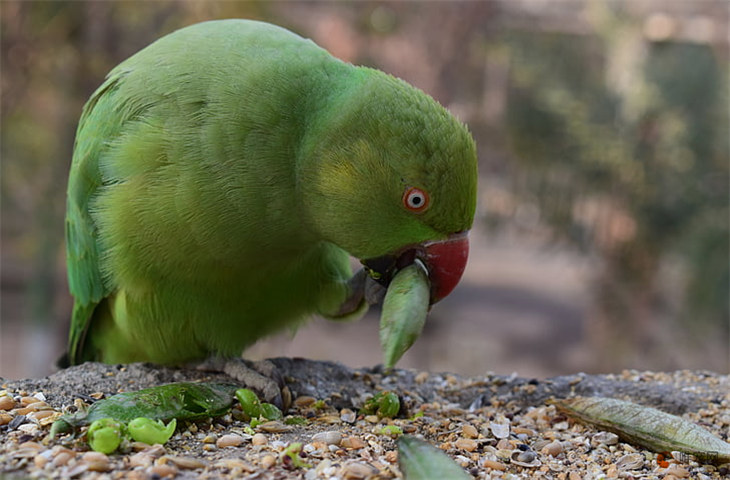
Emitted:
<point x="493" y="426"/>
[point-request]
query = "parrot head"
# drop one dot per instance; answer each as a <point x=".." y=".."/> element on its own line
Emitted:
<point x="392" y="178"/>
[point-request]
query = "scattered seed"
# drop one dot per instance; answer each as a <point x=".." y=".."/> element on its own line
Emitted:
<point x="259" y="439"/>
<point x="229" y="440"/>
<point x="186" y="463"/>
<point x="7" y="403"/>
<point x="469" y="431"/>
<point x="331" y="437"/>
<point x="61" y="459"/>
<point x="141" y="459"/>
<point x="95" y="461"/>
<point x="163" y="471"/>
<point x="358" y="471"/>
<point x="466" y="444"/>
<point x="268" y="461"/>
<point x="304" y="401"/>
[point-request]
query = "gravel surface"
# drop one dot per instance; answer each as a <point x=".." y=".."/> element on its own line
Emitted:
<point x="493" y="426"/>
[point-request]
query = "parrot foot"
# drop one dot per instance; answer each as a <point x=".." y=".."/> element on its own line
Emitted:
<point x="261" y="376"/>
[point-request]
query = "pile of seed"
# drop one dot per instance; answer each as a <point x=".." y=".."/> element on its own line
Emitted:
<point x="494" y="438"/>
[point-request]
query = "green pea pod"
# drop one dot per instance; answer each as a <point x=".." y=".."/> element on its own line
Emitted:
<point x="151" y="432"/>
<point x="183" y="401"/>
<point x="404" y="312"/>
<point x="105" y="435"/>
<point x="419" y="460"/>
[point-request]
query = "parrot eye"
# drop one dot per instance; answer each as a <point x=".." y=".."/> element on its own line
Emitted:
<point x="415" y="199"/>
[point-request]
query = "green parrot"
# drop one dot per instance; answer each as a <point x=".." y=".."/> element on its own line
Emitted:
<point x="223" y="176"/>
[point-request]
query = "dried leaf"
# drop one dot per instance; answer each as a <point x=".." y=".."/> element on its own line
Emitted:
<point x="648" y="427"/>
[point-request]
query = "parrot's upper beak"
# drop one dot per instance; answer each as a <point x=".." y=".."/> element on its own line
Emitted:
<point x="445" y="261"/>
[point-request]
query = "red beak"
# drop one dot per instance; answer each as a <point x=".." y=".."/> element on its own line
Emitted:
<point x="446" y="261"/>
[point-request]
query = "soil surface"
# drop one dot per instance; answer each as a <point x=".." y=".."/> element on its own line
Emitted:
<point x="460" y="415"/>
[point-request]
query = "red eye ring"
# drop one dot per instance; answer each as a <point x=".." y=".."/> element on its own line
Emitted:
<point x="415" y="199"/>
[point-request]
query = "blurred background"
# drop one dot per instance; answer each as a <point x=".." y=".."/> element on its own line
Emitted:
<point x="601" y="238"/>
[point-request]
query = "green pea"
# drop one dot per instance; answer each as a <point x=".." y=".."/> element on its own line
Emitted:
<point x="384" y="404"/>
<point x="250" y="403"/>
<point x="391" y="430"/>
<point x="149" y="431"/>
<point x="105" y="435"/>
<point x="271" y="412"/>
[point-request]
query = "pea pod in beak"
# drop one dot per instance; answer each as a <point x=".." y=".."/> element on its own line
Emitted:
<point x="405" y="307"/>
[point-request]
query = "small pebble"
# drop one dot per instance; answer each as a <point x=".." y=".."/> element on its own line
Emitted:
<point x="353" y="443"/>
<point x="630" y="461"/>
<point x="504" y="444"/>
<point x="209" y="439"/>
<point x="229" y="440"/>
<point x="553" y="448"/>
<point x="499" y="430"/>
<point x="347" y="415"/>
<point x="469" y="431"/>
<point x="604" y="438"/>
<point x="677" y="470"/>
<point x="421" y="377"/>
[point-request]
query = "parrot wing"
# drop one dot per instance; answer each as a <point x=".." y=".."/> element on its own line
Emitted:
<point x="99" y="122"/>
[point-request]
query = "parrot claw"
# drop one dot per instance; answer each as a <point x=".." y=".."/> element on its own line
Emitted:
<point x="374" y="291"/>
<point x="361" y="286"/>
<point x="261" y="376"/>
